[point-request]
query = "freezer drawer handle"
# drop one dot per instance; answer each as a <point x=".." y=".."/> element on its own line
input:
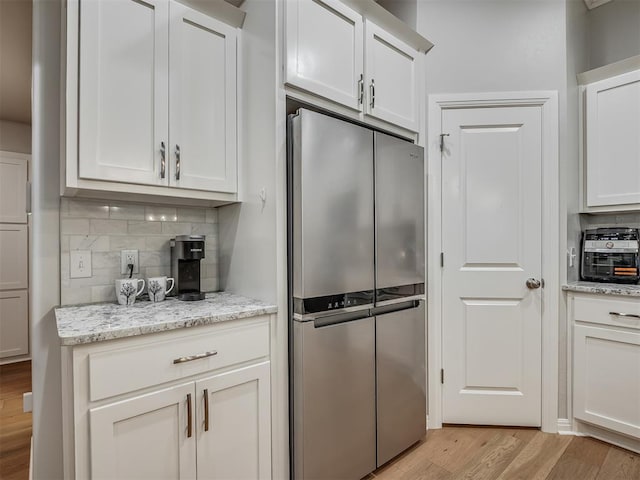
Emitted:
<point x="340" y="318"/>
<point x="631" y="315"/>
<point x="198" y="356"/>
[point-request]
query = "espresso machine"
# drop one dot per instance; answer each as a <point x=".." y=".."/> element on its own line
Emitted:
<point x="186" y="253"/>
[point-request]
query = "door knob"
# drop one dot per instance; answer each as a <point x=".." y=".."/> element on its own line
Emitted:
<point x="532" y="283"/>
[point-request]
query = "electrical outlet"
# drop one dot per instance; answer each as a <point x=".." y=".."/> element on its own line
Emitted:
<point x="80" y="263"/>
<point x="127" y="257"/>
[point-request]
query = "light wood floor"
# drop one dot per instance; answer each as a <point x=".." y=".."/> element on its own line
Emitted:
<point x="486" y="453"/>
<point x="453" y="453"/>
<point x="15" y="426"/>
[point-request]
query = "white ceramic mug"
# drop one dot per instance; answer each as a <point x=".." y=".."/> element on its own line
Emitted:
<point x="157" y="288"/>
<point x="127" y="290"/>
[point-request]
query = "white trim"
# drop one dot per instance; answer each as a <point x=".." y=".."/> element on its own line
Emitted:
<point x="548" y="102"/>
<point x="565" y="427"/>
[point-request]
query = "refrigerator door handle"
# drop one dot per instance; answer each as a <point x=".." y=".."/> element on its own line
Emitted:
<point x="329" y="320"/>
<point x="396" y="307"/>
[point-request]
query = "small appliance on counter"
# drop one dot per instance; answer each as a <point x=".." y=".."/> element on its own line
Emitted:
<point x="611" y="255"/>
<point x="186" y="253"/>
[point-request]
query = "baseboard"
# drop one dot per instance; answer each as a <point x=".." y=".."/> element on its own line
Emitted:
<point x="565" y="427"/>
<point x="609" y="436"/>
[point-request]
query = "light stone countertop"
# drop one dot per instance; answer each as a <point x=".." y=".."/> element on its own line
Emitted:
<point x="79" y="324"/>
<point x="603" y="288"/>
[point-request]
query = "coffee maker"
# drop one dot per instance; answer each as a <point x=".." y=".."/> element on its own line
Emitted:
<point x="186" y="253"/>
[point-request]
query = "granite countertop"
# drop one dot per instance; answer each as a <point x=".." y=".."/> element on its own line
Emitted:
<point x="603" y="288"/>
<point x="79" y="324"/>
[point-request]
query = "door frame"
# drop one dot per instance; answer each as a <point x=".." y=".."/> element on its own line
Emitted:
<point x="548" y="102"/>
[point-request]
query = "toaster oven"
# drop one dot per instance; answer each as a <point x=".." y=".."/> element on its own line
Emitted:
<point x="611" y="255"/>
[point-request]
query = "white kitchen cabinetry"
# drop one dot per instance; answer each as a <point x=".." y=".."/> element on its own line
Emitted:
<point x="324" y="50"/>
<point x="202" y="102"/>
<point x="13" y="186"/>
<point x="611" y="118"/>
<point x="606" y="363"/>
<point x="14" y="323"/>
<point x="172" y="415"/>
<point x="14" y="251"/>
<point x="336" y="52"/>
<point x="150" y="100"/>
<point x="391" y="76"/>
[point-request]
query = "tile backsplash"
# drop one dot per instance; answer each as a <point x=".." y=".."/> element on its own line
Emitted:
<point x="106" y="228"/>
<point x="627" y="219"/>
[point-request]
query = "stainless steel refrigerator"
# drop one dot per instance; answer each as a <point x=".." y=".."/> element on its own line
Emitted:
<point x="357" y="323"/>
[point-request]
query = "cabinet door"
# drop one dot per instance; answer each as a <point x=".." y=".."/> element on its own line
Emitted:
<point x="612" y="145"/>
<point x="324" y="50"/>
<point x="145" y="437"/>
<point x="14" y="323"/>
<point x="13" y="186"/>
<point x="234" y="425"/>
<point x="202" y="102"/>
<point x="14" y="251"/>
<point x="123" y="99"/>
<point x="606" y="390"/>
<point x="391" y="73"/>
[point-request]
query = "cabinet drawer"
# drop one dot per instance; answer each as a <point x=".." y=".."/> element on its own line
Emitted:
<point x="137" y="366"/>
<point x="603" y="311"/>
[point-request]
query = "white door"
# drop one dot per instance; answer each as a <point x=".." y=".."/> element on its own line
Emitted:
<point x="202" y="101"/>
<point x="123" y="90"/>
<point x="14" y="323"/>
<point x="152" y="437"/>
<point x="491" y="224"/>
<point x="391" y="78"/>
<point x="234" y="425"/>
<point x="324" y="50"/>
<point x="13" y="188"/>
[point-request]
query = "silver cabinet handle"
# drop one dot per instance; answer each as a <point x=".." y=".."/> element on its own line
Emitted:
<point x="163" y="160"/>
<point x="618" y="314"/>
<point x="177" y="162"/>
<point x="206" y="409"/>
<point x="533" y="284"/>
<point x="198" y="356"/>
<point x="361" y="90"/>
<point x="372" y="94"/>
<point x="189" y="417"/>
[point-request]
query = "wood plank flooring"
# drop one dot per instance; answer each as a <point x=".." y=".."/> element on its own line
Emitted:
<point x="452" y="453"/>
<point x="15" y="426"/>
<point x="488" y="453"/>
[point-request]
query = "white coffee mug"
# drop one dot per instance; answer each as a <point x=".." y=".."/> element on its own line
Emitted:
<point x="127" y="290"/>
<point x="157" y="288"/>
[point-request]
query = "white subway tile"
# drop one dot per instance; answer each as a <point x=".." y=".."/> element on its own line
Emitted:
<point x="191" y="215"/>
<point x="160" y="214"/>
<point x="108" y="227"/>
<point x="74" y="226"/>
<point x="144" y="228"/>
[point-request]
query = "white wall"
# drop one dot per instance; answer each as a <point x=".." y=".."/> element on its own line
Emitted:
<point x="247" y="230"/>
<point x="577" y="61"/>
<point x="15" y="136"/>
<point x="614" y="31"/>
<point x="45" y="246"/>
<point x="496" y="45"/>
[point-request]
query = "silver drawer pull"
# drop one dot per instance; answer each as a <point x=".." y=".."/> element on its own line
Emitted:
<point x="191" y="358"/>
<point x="617" y="314"/>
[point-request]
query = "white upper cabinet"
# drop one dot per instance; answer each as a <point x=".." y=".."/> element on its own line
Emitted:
<point x="123" y="90"/>
<point x="612" y="139"/>
<point x="335" y="51"/>
<point x="391" y="78"/>
<point x="202" y="101"/>
<point x="324" y="50"/>
<point x="151" y="99"/>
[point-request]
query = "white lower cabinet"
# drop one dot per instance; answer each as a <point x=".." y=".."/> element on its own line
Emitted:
<point x="606" y="363"/>
<point x="211" y="421"/>
<point x="146" y="436"/>
<point x="233" y="424"/>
